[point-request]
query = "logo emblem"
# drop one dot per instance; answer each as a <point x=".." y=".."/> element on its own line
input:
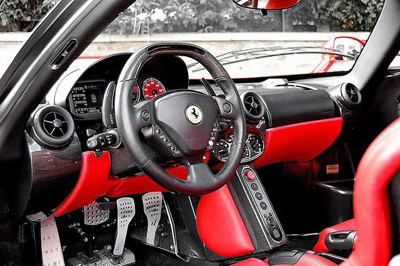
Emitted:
<point x="194" y="114"/>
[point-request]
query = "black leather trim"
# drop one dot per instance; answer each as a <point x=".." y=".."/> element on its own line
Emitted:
<point x="285" y="257"/>
<point x="298" y="106"/>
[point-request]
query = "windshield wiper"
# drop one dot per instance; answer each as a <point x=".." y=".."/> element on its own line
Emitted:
<point x="258" y="53"/>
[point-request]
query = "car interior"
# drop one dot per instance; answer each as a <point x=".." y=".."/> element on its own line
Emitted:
<point x="125" y="160"/>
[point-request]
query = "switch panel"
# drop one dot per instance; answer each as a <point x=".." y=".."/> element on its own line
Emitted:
<point x="261" y="205"/>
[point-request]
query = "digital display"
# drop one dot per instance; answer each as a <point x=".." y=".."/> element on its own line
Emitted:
<point x="86" y="98"/>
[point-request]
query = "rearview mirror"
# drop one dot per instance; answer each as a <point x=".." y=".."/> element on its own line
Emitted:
<point x="266" y="4"/>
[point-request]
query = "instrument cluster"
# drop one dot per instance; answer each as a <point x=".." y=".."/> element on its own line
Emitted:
<point x="158" y="75"/>
<point x="150" y="89"/>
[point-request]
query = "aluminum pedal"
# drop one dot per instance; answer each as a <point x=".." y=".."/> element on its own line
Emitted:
<point x="93" y="215"/>
<point x="152" y="206"/>
<point x="50" y="241"/>
<point x="125" y="213"/>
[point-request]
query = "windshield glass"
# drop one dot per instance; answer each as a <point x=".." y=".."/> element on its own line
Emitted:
<point x="315" y="36"/>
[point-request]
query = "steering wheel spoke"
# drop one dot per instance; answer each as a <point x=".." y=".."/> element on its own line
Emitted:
<point x="141" y="115"/>
<point x="199" y="175"/>
<point x="225" y="108"/>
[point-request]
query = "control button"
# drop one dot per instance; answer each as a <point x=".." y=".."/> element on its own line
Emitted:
<point x="91" y="143"/>
<point x="166" y="140"/>
<point x="276" y="234"/>
<point x="254" y="186"/>
<point x="263" y="205"/>
<point x="227" y="107"/>
<point x="158" y="131"/>
<point x="101" y="140"/>
<point x="259" y="196"/>
<point x="145" y="115"/>
<point x="109" y="139"/>
<point x="250" y="175"/>
<point x="271" y="221"/>
<point x="173" y="148"/>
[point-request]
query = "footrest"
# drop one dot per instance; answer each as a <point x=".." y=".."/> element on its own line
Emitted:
<point x="50" y="242"/>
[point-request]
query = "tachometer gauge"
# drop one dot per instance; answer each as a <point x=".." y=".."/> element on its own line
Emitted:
<point x="135" y="94"/>
<point x="152" y="88"/>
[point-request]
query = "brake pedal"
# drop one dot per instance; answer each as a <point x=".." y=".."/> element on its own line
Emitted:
<point x="125" y="213"/>
<point x="152" y="205"/>
<point x="50" y="242"/>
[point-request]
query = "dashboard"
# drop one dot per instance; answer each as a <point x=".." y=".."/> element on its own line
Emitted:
<point x="78" y="99"/>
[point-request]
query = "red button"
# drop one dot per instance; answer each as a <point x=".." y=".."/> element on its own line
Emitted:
<point x="250" y="175"/>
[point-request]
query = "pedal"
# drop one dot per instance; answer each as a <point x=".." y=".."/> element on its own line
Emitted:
<point x="152" y="205"/>
<point x="93" y="215"/>
<point x="125" y="213"/>
<point x="50" y="243"/>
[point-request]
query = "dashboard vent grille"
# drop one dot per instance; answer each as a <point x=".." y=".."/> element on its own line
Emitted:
<point x="52" y="126"/>
<point x="352" y="94"/>
<point x="253" y="106"/>
<point x="55" y="124"/>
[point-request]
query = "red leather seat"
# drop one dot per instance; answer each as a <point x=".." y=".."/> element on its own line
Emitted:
<point x="250" y="262"/>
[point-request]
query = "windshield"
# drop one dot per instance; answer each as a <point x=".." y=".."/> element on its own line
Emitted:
<point x="315" y="36"/>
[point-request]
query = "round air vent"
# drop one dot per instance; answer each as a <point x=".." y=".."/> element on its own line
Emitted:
<point x="253" y="106"/>
<point x="53" y="126"/>
<point x="351" y="95"/>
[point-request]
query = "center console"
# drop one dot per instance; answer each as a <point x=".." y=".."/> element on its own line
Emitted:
<point x="256" y="210"/>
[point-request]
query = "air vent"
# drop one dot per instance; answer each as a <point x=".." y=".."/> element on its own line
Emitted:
<point x="55" y="124"/>
<point x="64" y="54"/>
<point x="351" y="95"/>
<point x="253" y="106"/>
<point x="52" y="126"/>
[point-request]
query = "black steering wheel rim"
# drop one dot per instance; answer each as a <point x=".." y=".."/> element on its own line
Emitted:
<point x="131" y="119"/>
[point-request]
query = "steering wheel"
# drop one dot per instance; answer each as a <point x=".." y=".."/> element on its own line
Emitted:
<point x="181" y="121"/>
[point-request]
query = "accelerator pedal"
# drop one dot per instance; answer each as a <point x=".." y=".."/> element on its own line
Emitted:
<point x="152" y="205"/>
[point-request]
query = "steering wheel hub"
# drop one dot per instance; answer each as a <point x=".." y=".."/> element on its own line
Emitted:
<point x="188" y="118"/>
<point x="194" y="114"/>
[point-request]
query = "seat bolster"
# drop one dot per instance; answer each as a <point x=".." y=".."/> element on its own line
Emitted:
<point x="250" y="262"/>
<point x="306" y="260"/>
